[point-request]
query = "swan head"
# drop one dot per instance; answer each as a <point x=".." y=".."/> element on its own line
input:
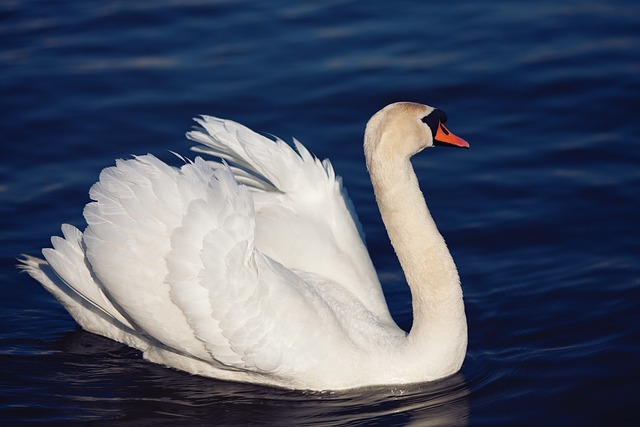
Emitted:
<point x="403" y="129"/>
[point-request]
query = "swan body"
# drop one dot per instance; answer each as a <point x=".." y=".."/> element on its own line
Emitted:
<point x="254" y="269"/>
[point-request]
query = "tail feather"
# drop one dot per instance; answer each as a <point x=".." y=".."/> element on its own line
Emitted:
<point x="79" y="306"/>
<point x="68" y="260"/>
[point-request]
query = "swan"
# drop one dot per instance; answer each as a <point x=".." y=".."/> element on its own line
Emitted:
<point x="253" y="267"/>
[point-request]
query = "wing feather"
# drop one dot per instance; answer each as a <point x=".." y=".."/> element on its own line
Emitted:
<point x="191" y="277"/>
<point x="249" y="311"/>
<point x="304" y="217"/>
<point x="136" y="207"/>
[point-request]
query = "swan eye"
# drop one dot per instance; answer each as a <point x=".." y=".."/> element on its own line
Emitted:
<point x="433" y="119"/>
<point x="436" y="114"/>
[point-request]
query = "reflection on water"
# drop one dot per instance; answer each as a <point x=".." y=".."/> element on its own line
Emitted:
<point x="111" y="382"/>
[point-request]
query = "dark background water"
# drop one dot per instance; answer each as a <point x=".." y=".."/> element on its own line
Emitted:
<point x="541" y="214"/>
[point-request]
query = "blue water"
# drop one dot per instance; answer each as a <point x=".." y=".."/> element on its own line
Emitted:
<point x="541" y="214"/>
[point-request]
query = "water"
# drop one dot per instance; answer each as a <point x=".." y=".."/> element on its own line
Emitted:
<point x="540" y="215"/>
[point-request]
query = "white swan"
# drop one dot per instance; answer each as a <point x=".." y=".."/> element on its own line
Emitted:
<point x="255" y="270"/>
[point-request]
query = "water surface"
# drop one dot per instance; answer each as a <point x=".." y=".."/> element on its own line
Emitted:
<point x="540" y="215"/>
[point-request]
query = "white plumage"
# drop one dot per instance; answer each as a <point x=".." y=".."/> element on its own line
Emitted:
<point x="255" y="269"/>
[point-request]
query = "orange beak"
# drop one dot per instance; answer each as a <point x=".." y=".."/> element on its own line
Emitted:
<point x="445" y="138"/>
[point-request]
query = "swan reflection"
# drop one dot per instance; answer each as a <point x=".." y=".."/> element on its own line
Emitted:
<point x="103" y="380"/>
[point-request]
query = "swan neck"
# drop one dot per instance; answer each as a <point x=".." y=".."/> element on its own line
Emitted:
<point x="438" y="310"/>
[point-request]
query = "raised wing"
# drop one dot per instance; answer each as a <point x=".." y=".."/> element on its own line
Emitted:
<point x="174" y="250"/>
<point x="304" y="218"/>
